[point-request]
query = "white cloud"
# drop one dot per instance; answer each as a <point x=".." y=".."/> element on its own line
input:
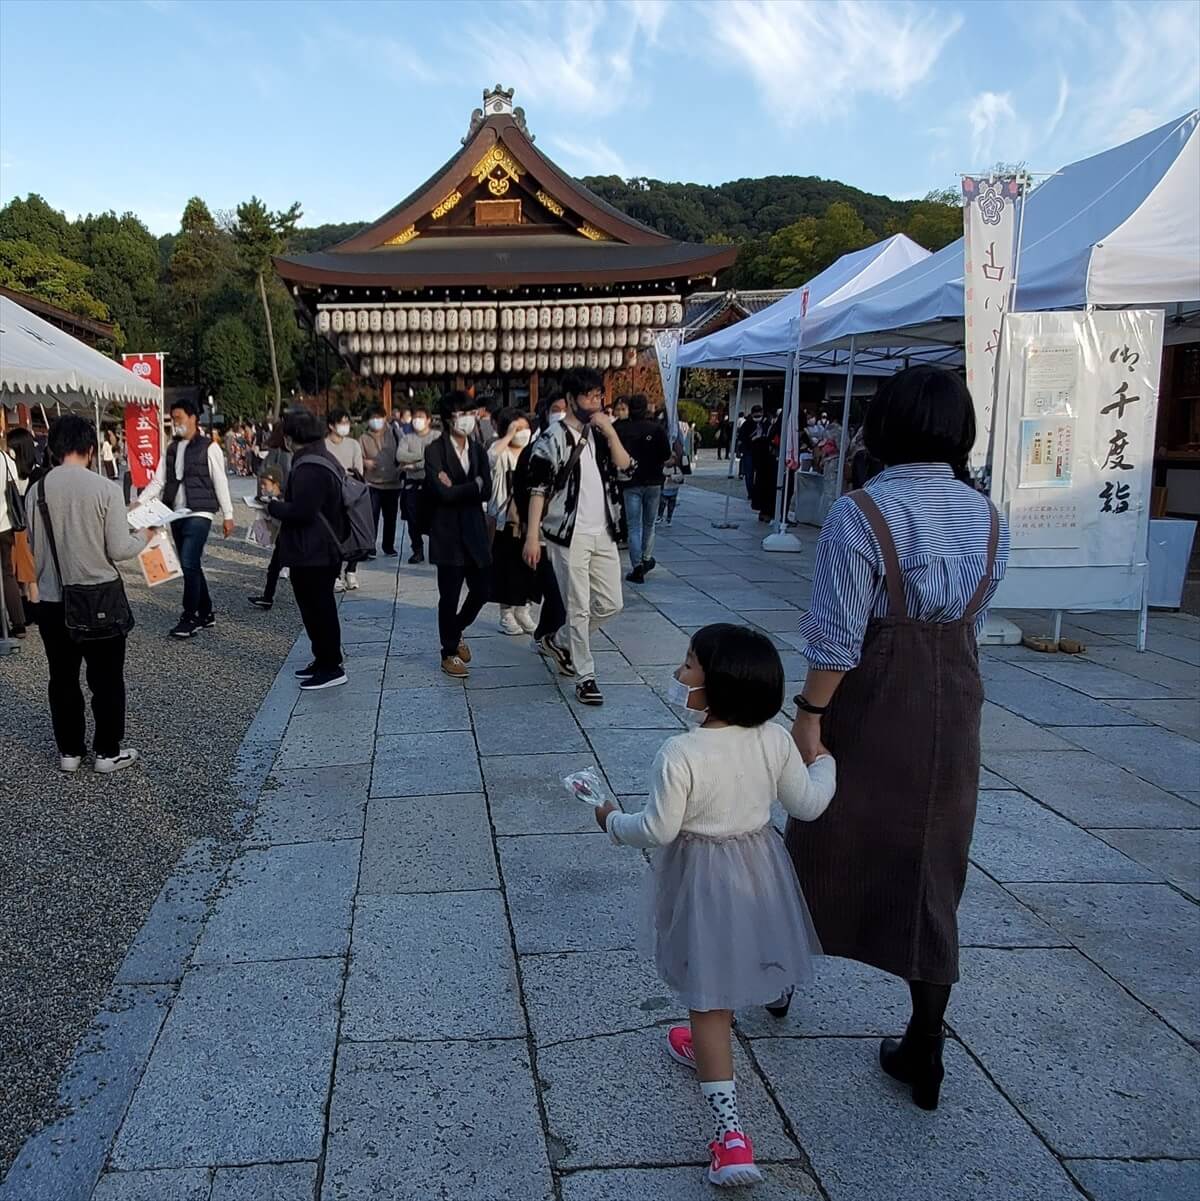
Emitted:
<point x="1064" y="93"/>
<point x="811" y="60"/>
<point x="593" y="158"/>
<point x="990" y="114"/>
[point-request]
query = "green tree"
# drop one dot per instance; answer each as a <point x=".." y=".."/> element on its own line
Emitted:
<point x="229" y="366"/>
<point x="33" y="220"/>
<point x="259" y="234"/>
<point x="49" y="276"/>
<point x="201" y="257"/>
<point x="122" y="255"/>
<point x="934" y="221"/>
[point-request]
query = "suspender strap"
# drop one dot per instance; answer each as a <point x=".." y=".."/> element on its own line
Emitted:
<point x="44" y="510"/>
<point x="976" y="602"/>
<point x="897" y="605"/>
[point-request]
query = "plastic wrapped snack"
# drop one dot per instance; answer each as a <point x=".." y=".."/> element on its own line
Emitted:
<point x="587" y="786"/>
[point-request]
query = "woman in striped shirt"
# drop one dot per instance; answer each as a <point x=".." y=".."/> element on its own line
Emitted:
<point x="904" y="571"/>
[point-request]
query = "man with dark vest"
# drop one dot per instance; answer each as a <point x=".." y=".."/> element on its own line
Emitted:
<point x="191" y="479"/>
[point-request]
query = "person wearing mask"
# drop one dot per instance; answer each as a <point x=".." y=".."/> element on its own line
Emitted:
<point x="8" y="541"/>
<point x="402" y="420"/>
<point x="514" y="582"/>
<point x="383" y="476"/>
<point x="414" y="500"/>
<point x="312" y="520"/>
<point x="348" y="453"/>
<point x="575" y="500"/>
<point x="108" y="455"/>
<point x="87" y="534"/>
<point x="620" y="410"/>
<point x="647" y="441"/>
<point x="459" y="483"/>
<point x="191" y="478"/>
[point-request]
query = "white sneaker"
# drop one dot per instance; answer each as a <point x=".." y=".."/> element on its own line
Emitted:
<point x="508" y="622"/>
<point x="525" y="619"/>
<point x="339" y="585"/>
<point x="121" y="760"/>
<point x="351" y="580"/>
<point x="285" y="573"/>
<point x="69" y="763"/>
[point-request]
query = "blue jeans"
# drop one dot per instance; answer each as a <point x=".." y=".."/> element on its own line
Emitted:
<point x="641" y="508"/>
<point x="190" y="534"/>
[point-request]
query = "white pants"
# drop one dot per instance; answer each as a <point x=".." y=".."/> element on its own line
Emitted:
<point x="589" y="578"/>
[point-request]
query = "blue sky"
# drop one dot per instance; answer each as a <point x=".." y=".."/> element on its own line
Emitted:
<point x="345" y="106"/>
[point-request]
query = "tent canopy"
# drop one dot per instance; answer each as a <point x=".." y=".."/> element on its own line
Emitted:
<point x="768" y="338"/>
<point x="1119" y="228"/>
<point x="37" y="358"/>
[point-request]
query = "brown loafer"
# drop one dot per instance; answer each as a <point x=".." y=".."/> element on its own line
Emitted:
<point x="464" y="651"/>
<point x="453" y="665"/>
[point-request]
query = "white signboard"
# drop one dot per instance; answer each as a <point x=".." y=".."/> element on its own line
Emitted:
<point x="1077" y="396"/>
<point x="666" y="347"/>
<point x="989" y="241"/>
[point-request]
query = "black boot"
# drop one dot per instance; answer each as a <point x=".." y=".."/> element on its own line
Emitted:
<point x="779" y="1008"/>
<point x="915" y="1060"/>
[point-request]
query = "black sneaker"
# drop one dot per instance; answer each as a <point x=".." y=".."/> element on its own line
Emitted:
<point x="416" y="557"/>
<point x="562" y="657"/>
<point x="648" y="565"/>
<point x="588" y="693"/>
<point x="389" y="554"/>
<point x="370" y="555"/>
<point x="637" y="575"/>
<point x="206" y="623"/>
<point x="186" y="627"/>
<point x="304" y="672"/>
<point x="323" y="679"/>
<point x="260" y="602"/>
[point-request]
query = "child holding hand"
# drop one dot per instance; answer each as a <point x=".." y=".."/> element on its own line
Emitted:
<point x="729" y="923"/>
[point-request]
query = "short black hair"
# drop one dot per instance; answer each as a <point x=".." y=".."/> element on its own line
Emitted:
<point x="185" y="404"/>
<point x="336" y="415"/>
<point x="922" y="415"/>
<point x="581" y="381"/>
<point x="743" y="674"/>
<point x="71" y="434"/>
<point x="419" y="409"/>
<point x="302" y="427"/>
<point x="639" y="406"/>
<point x="374" y="411"/>
<point x="453" y="402"/>
<point x="23" y="448"/>
<point x="505" y="417"/>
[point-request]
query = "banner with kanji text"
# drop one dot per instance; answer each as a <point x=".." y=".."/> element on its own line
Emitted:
<point x="143" y="440"/>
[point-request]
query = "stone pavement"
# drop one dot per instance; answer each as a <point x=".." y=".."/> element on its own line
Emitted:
<point x="417" y="980"/>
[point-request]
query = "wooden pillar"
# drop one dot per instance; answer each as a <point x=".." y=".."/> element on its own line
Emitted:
<point x="386" y="396"/>
<point x="608" y="389"/>
<point x="533" y="391"/>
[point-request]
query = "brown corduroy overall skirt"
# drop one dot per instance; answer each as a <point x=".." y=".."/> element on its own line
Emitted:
<point x="883" y="868"/>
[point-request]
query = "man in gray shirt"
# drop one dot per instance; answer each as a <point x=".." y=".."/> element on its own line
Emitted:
<point x="87" y="516"/>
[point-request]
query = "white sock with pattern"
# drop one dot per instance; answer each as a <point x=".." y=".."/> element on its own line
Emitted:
<point x="721" y="1096"/>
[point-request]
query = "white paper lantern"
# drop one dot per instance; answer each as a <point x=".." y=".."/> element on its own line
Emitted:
<point x="555" y="361"/>
<point x="439" y="343"/>
<point x="439" y="364"/>
<point x="427" y="364"/>
<point x="622" y="315"/>
<point x="556" y="340"/>
<point x="518" y="318"/>
<point x="427" y="344"/>
<point x="506" y="318"/>
<point x="377" y="343"/>
<point x="609" y="315"/>
<point x="477" y="342"/>
<point x="476" y="364"/>
<point x="439" y="320"/>
<point x="402" y="321"/>
<point x="375" y="319"/>
<point x="355" y="342"/>
<point x="343" y="344"/>
<point x="543" y="362"/>
<point x="505" y="361"/>
<point x="489" y="318"/>
<point x="635" y="313"/>
<point x="388" y="320"/>
<point x="389" y="364"/>
<point x="452" y="342"/>
<point x="593" y="358"/>
<point x="465" y="318"/>
<point x="390" y="344"/>
<point x="647" y="337"/>
<point x="489" y="363"/>
<point x="570" y="316"/>
<point x="364" y="368"/>
<point x="364" y="321"/>
<point x="338" y="320"/>
<point x="556" y="317"/>
<point x="401" y="343"/>
<point x="323" y="321"/>
<point x="583" y="316"/>
<point x="610" y="339"/>
<point x="531" y="317"/>
<point x="660" y="313"/>
<point x="351" y="320"/>
<point x="506" y="342"/>
<point x="379" y="362"/>
<point x="426" y="321"/>
<point x="675" y="312"/>
<point x="544" y="317"/>
<point x="597" y="315"/>
<point x="621" y="335"/>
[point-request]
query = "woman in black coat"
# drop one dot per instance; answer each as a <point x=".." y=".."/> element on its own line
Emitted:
<point x="459" y="483"/>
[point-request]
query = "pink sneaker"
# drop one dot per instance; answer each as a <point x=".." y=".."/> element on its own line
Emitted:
<point x="679" y="1046"/>
<point x="732" y="1163"/>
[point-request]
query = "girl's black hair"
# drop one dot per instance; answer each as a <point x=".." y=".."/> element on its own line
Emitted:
<point x="23" y="448"/>
<point x="743" y="674"/>
<point x="922" y="415"/>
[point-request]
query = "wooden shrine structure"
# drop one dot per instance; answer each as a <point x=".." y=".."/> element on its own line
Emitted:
<point x="498" y="269"/>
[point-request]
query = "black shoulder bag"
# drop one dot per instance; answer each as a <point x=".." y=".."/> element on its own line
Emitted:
<point x="13" y="497"/>
<point x="90" y="611"/>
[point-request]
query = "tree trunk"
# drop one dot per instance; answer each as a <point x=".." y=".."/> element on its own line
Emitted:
<point x="262" y="291"/>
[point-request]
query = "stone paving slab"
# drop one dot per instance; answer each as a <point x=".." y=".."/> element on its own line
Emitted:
<point x="626" y="707"/>
<point x="1046" y="702"/>
<point x="284" y="902"/>
<point x="1017" y="839"/>
<point x="602" y="1122"/>
<point x="169" y="1184"/>
<point x="532" y="671"/>
<point x="860" y="1128"/>
<point x="627" y="755"/>
<point x="428" y="844"/>
<point x="394" y="1100"/>
<point x="1173" y="855"/>
<point x="1153" y="1180"/>
<point x="359" y="693"/>
<point x="1144" y="935"/>
<point x="428" y="710"/>
<point x="415" y="669"/>
<point x="1091" y="791"/>
<point x="572" y="892"/>
<point x="646" y="639"/>
<point x="526" y="795"/>
<point x="1052" y="1029"/>
<point x="1181" y="716"/>
<point x="1166" y="759"/>
<point x="499" y="731"/>
<point x="240" y="1072"/>
<point x="990" y="916"/>
<point x="1165" y="677"/>
<point x="314" y="740"/>
<point x="266" y="1182"/>
<point x="314" y="805"/>
<point x="1093" y="679"/>
<point x="1005" y="731"/>
<point x="428" y="966"/>
<point x="781" y="1182"/>
<point x="425" y="764"/>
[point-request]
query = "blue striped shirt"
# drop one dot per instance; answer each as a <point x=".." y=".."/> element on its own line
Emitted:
<point x="940" y="528"/>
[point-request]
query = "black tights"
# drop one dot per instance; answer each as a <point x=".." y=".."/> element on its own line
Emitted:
<point x="929" y="1003"/>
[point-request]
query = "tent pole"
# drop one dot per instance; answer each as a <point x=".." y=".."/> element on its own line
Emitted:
<point x="725" y="523"/>
<point x="99" y="436"/>
<point x="788" y="415"/>
<point x="846" y="418"/>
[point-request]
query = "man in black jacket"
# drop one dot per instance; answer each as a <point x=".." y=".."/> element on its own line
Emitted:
<point x="312" y="522"/>
<point x="459" y="482"/>
<point x="646" y="440"/>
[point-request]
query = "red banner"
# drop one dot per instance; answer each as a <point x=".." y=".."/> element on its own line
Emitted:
<point x="145" y="366"/>
<point x="142" y="439"/>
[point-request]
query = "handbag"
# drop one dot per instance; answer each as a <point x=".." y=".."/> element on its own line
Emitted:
<point x="91" y="612"/>
<point x="13" y="498"/>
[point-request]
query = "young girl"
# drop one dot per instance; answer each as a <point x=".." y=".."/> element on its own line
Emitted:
<point x="729" y="923"/>
<point x="672" y="482"/>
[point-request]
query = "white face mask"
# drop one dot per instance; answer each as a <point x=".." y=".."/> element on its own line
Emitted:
<point x="180" y="431"/>
<point x="342" y="430"/>
<point x="464" y="424"/>
<point x="521" y="438"/>
<point x="420" y="425"/>
<point x="376" y="423"/>
<point x="679" y="694"/>
<point x="555" y="418"/>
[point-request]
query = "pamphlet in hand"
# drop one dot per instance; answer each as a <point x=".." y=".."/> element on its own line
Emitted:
<point x="153" y="514"/>
<point x="158" y="561"/>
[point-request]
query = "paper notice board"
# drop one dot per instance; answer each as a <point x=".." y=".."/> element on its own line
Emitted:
<point x="1077" y="398"/>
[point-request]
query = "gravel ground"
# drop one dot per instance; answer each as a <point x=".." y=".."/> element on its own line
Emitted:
<point x="83" y="857"/>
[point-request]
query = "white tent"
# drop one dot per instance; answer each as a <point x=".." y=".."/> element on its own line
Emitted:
<point x="38" y="359"/>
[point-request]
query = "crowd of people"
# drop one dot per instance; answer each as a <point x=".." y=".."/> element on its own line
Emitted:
<point x="531" y="509"/>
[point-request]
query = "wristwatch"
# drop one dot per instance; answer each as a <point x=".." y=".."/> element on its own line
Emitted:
<point x="807" y="707"/>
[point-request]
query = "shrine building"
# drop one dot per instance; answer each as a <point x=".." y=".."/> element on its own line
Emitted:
<point x="497" y="272"/>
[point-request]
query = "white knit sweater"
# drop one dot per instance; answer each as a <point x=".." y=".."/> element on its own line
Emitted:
<point x="721" y="782"/>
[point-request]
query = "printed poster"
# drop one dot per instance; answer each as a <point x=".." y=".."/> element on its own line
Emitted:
<point x="1047" y="452"/>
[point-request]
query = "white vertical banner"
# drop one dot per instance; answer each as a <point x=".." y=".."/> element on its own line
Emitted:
<point x="666" y="347"/>
<point x="989" y="254"/>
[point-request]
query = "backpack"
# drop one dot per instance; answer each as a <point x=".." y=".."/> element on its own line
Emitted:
<point x="358" y="519"/>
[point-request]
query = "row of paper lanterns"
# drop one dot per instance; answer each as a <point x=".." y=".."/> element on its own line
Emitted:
<point x="449" y="319"/>
<point x="453" y="343"/>
<point x="488" y="362"/>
